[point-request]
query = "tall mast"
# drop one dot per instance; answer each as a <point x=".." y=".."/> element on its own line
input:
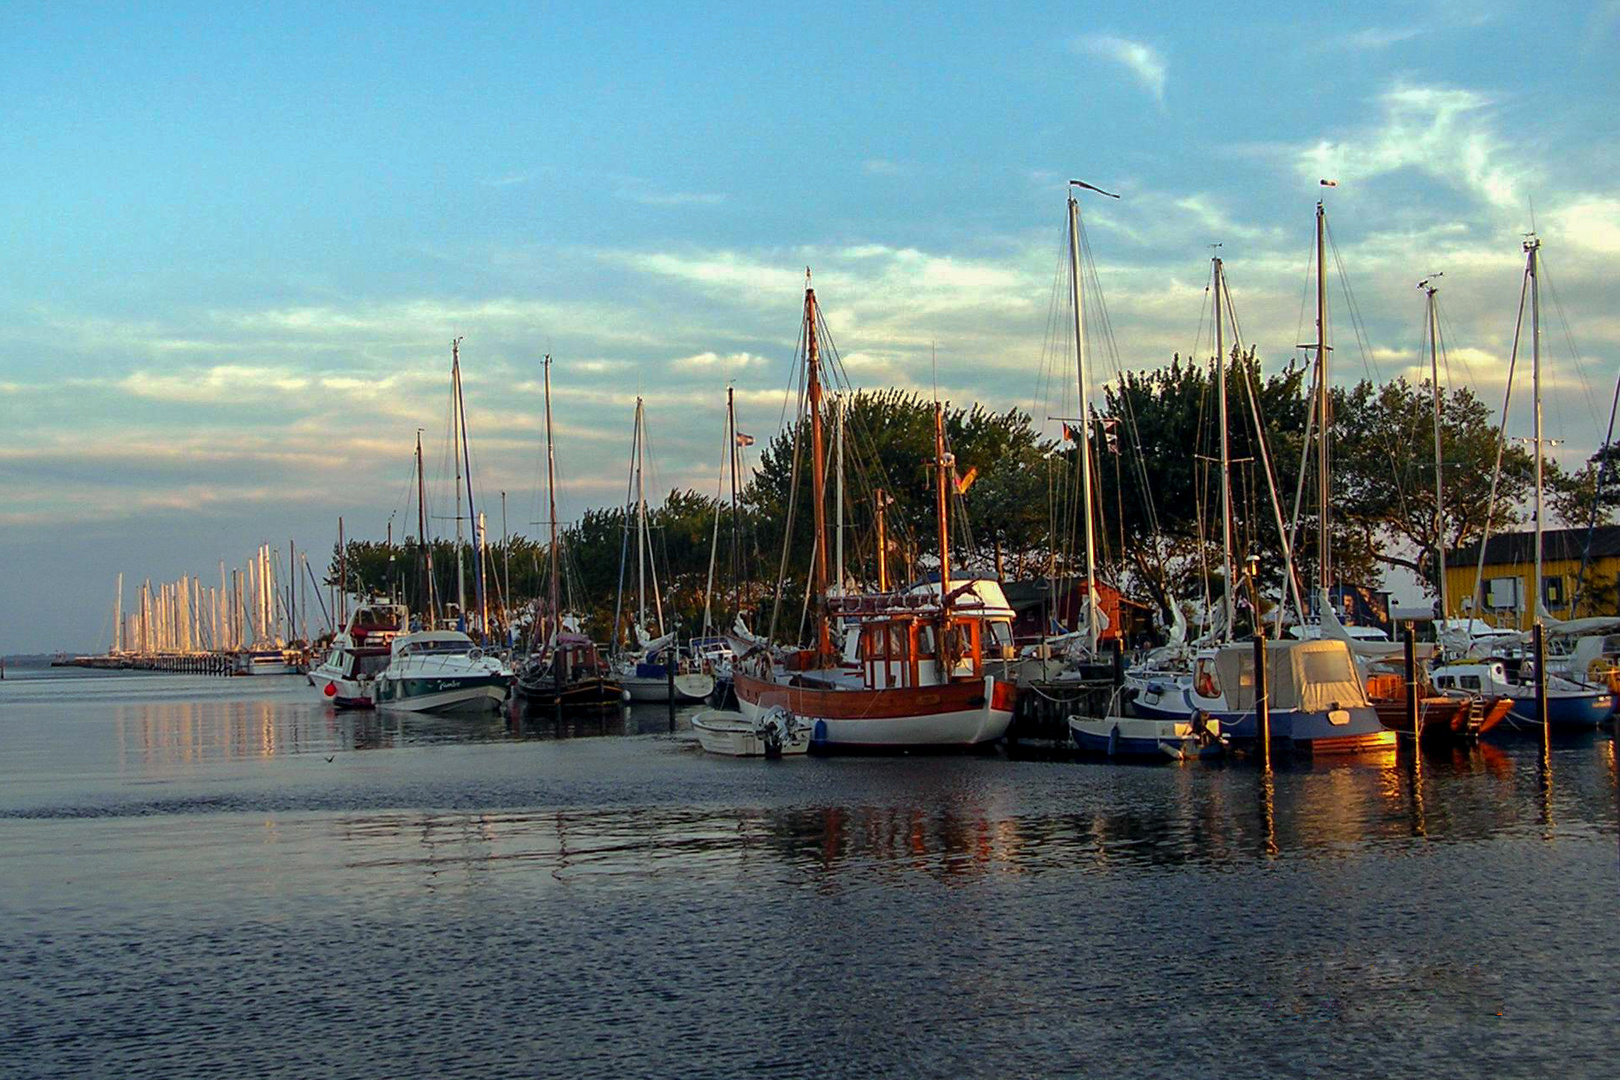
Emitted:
<point x="1323" y="419"/>
<point x="1430" y="289"/>
<point x="551" y="494"/>
<point x="818" y="471"/>
<point x="506" y="573"/>
<point x="641" y="524"/>
<point x="880" y="501"/>
<point x="1532" y="248"/>
<point x="1085" y="421"/>
<point x="425" y="563"/>
<point x="838" y="509"/>
<point x="1226" y="462"/>
<point x="942" y="468"/>
<point x="455" y="452"/>
<point x="118" y="616"/>
<point x="343" y="577"/>
<point x="472" y="514"/>
<point x="736" y="521"/>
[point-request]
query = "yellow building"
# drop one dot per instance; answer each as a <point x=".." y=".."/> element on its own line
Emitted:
<point x="1507" y="596"/>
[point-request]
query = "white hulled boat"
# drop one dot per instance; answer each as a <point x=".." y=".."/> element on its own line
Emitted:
<point x="442" y="671"/>
<point x="344" y="676"/>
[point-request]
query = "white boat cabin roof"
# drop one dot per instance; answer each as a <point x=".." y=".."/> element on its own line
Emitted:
<point x="434" y="641"/>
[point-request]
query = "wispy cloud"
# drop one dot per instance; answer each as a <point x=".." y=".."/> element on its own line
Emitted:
<point x="713" y="361"/>
<point x="883" y="167"/>
<point x="671" y="198"/>
<point x="1139" y="58"/>
<point x="1382" y="37"/>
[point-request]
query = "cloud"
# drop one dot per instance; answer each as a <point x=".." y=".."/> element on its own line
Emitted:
<point x="712" y="361"/>
<point x="672" y="198"/>
<point x="1445" y="133"/>
<point x="1381" y="37"/>
<point x="1141" y="60"/>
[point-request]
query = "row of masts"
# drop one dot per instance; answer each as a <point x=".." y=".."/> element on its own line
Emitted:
<point x="254" y="607"/>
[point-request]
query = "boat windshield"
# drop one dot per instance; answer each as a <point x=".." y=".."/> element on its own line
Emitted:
<point x="436" y="648"/>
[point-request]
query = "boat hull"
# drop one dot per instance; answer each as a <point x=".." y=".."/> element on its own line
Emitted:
<point x="580" y="692"/>
<point x="952" y="716"/>
<point x="734" y="735"/>
<point x="342" y="693"/>
<point x="1571" y="712"/>
<point x="444" y="693"/>
<point x="1312" y="732"/>
<point x="688" y="687"/>
<point x="1141" y="739"/>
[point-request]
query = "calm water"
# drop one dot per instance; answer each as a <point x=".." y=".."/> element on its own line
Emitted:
<point x="221" y="877"/>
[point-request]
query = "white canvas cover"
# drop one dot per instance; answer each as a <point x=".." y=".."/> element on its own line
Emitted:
<point x="1310" y="675"/>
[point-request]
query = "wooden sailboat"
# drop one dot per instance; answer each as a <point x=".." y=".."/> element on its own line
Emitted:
<point x="567" y="669"/>
<point x="919" y="678"/>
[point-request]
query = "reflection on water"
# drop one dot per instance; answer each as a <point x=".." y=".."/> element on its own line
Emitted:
<point x="560" y="896"/>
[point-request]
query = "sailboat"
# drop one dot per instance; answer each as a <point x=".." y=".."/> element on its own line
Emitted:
<point x="644" y="671"/>
<point x="1569" y="705"/>
<point x="566" y="669"/>
<point x="919" y="678"/>
<point x="1317" y="698"/>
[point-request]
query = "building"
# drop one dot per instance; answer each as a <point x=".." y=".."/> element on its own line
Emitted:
<point x="1036" y="615"/>
<point x="1510" y="559"/>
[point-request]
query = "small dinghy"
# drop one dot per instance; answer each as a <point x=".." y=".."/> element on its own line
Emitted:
<point x="775" y="733"/>
<point x="1153" y="740"/>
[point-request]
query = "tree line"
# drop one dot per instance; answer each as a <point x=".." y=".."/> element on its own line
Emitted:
<point x="1016" y="508"/>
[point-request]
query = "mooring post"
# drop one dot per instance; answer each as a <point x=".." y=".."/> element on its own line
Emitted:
<point x="1539" y="637"/>
<point x="1116" y="650"/>
<point x="1414" y="722"/>
<point x="1262" y="699"/>
<point x="671" y="656"/>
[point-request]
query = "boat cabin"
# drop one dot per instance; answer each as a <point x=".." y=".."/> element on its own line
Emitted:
<point x="902" y="650"/>
<point x="434" y="643"/>
<point x="1311" y="676"/>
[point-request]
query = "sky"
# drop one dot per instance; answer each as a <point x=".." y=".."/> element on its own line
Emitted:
<point x="238" y="243"/>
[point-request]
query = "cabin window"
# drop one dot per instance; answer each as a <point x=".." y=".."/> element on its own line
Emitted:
<point x="1204" y="680"/>
<point x="1502" y="594"/>
<point x="1445" y="682"/>
<point x="925" y="643"/>
<point x="1470" y="682"/>
<point x="1552" y="591"/>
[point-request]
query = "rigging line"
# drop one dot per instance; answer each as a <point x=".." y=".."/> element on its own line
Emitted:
<point x="1569" y="340"/>
<point x="800" y="360"/>
<point x="1501" y="443"/>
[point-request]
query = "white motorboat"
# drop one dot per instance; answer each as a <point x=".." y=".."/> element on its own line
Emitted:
<point x="442" y="671"/>
<point x="344" y="676"/>
<point x="776" y="732"/>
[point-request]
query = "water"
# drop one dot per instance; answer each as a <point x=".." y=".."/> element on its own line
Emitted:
<point x="222" y="877"/>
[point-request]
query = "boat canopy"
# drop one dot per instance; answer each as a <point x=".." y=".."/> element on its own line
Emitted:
<point x="437" y="641"/>
<point x="1312" y="676"/>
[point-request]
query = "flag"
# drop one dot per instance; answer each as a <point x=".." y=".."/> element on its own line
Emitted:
<point x="1330" y="183"/>
<point x="744" y="440"/>
<point x="965" y="481"/>
<point x="1070" y="434"/>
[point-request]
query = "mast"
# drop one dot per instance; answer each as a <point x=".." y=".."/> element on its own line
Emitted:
<point x="1532" y="248"/>
<point x="838" y="513"/>
<point x="1323" y="419"/>
<point x="118" y="616"/>
<point x="1430" y="289"/>
<point x="506" y="574"/>
<point x="551" y="494"/>
<point x="736" y="519"/>
<point x="641" y="525"/>
<point x="472" y="514"/>
<point x="1226" y="463"/>
<point x="882" y="541"/>
<point x="425" y="563"/>
<point x="455" y="452"/>
<point x="942" y="467"/>
<point x="343" y="576"/>
<point x="818" y="471"/>
<point x="1085" y="421"/>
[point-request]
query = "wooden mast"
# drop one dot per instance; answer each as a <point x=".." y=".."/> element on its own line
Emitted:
<point x="1532" y="249"/>
<point x="736" y="521"/>
<point x="942" y="468"/>
<point x="818" y="478"/>
<point x="880" y="501"/>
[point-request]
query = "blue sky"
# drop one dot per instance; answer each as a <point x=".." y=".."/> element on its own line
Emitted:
<point x="239" y="243"/>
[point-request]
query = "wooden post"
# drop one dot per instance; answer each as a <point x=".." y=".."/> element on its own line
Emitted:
<point x="1116" y="649"/>
<point x="1538" y="636"/>
<point x="1414" y="722"/>
<point x="1262" y="699"/>
<point x="670" y="655"/>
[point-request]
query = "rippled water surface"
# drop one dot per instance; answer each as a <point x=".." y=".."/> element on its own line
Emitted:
<point x="223" y="877"/>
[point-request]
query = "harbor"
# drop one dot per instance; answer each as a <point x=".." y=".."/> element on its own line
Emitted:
<point x="264" y="865"/>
